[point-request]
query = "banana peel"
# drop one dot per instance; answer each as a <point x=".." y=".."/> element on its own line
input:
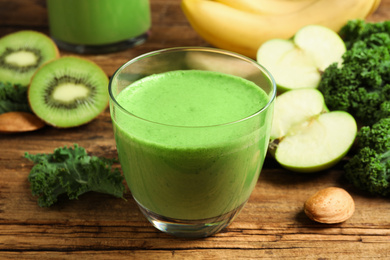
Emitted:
<point x="267" y="7"/>
<point x="374" y="7"/>
<point x="240" y="31"/>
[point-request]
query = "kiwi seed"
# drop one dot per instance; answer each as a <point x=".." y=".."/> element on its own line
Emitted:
<point x="22" y="53"/>
<point x="68" y="92"/>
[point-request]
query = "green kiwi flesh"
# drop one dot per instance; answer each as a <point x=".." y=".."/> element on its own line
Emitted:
<point x="22" y="53"/>
<point x="68" y="92"/>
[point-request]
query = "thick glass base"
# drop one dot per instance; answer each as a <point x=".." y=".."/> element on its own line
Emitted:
<point x="100" y="49"/>
<point x="191" y="228"/>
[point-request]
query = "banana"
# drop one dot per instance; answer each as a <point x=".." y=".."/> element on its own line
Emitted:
<point x="243" y="32"/>
<point x="374" y="7"/>
<point x="267" y="7"/>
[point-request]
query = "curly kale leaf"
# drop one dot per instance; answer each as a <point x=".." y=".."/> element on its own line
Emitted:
<point x="376" y="137"/>
<point x="359" y="30"/>
<point x="369" y="169"/>
<point x="73" y="172"/>
<point x="13" y="98"/>
<point x="361" y="85"/>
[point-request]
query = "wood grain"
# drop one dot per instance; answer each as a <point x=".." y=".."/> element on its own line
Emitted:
<point x="272" y="224"/>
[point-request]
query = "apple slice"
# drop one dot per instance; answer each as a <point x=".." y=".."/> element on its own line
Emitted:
<point x="288" y="116"/>
<point x="305" y="136"/>
<point x="298" y="62"/>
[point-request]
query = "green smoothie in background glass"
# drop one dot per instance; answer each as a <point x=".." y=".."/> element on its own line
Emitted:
<point x="89" y="26"/>
<point x="191" y="144"/>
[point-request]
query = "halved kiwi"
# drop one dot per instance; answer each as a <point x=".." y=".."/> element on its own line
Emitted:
<point x="22" y="53"/>
<point x="68" y="91"/>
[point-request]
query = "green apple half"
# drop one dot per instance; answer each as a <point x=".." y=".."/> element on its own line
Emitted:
<point x="305" y="136"/>
<point x="298" y="62"/>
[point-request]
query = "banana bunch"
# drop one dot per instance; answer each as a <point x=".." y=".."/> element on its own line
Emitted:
<point x="243" y="25"/>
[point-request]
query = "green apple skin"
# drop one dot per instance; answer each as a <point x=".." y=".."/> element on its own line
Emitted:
<point x="305" y="135"/>
<point x="320" y="145"/>
<point x="298" y="62"/>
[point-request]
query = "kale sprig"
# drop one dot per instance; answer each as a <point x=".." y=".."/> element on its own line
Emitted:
<point x="73" y="172"/>
<point x="369" y="169"/>
<point x="13" y="98"/>
<point x="361" y="85"/>
<point x="359" y="30"/>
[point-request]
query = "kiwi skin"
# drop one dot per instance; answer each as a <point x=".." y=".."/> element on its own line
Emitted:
<point x="32" y="42"/>
<point x="70" y="76"/>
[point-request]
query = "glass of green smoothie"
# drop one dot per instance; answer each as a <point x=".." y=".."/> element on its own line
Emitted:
<point x="98" y="26"/>
<point x="191" y="127"/>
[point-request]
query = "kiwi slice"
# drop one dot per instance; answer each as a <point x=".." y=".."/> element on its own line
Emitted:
<point x="22" y="53"/>
<point x="68" y="91"/>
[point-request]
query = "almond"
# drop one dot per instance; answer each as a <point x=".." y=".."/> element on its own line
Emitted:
<point x="330" y="205"/>
<point x="13" y="122"/>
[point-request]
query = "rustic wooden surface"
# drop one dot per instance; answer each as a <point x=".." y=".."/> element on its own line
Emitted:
<point x="272" y="225"/>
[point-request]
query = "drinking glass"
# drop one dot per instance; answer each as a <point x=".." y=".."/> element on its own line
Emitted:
<point x="191" y="181"/>
<point x="98" y="26"/>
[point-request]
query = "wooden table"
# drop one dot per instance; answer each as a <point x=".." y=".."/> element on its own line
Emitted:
<point x="272" y="225"/>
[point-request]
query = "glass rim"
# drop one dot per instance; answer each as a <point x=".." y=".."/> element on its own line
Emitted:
<point x="271" y="96"/>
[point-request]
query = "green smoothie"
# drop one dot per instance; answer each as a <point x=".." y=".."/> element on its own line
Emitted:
<point x="181" y="155"/>
<point x="97" y="22"/>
